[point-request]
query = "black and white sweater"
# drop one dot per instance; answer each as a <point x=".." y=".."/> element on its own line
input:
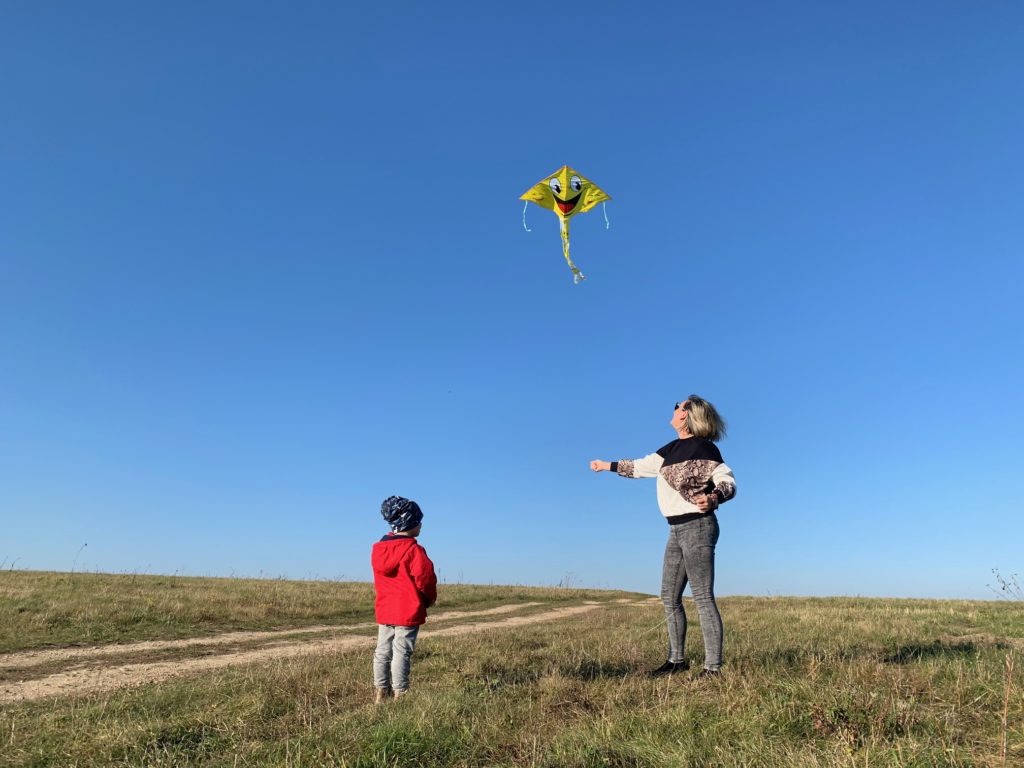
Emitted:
<point x="685" y="469"/>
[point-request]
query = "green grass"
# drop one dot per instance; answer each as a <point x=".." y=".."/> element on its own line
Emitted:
<point x="809" y="682"/>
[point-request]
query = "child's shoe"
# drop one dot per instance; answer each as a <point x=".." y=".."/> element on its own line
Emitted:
<point x="400" y="692"/>
<point x="381" y="695"/>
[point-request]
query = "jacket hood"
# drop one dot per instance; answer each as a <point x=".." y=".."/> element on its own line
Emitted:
<point x="389" y="552"/>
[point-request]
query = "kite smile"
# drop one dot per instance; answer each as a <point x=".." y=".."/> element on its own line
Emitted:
<point x="566" y="206"/>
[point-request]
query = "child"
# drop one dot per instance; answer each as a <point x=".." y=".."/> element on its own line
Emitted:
<point x="406" y="586"/>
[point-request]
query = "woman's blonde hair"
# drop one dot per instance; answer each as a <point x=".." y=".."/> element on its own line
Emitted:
<point x="704" y="421"/>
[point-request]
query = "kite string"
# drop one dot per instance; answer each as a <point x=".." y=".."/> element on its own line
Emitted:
<point x="604" y="210"/>
<point x="526" y="203"/>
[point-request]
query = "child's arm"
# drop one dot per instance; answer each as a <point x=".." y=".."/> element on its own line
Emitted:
<point x="423" y="576"/>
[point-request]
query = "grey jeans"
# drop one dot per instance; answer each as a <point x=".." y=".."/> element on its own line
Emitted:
<point x="393" y="656"/>
<point x="690" y="557"/>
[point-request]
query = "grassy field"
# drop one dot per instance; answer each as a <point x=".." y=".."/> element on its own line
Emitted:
<point x="808" y="682"/>
<point x="39" y="608"/>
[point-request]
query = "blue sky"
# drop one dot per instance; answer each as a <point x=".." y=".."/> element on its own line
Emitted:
<point x="264" y="266"/>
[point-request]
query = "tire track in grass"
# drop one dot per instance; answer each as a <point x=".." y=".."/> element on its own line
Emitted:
<point x="99" y="679"/>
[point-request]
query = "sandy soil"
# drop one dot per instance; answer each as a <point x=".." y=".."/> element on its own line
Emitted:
<point x="94" y="679"/>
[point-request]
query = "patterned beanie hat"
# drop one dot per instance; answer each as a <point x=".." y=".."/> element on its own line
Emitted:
<point x="401" y="514"/>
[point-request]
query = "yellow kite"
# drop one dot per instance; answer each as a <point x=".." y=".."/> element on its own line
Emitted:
<point x="566" y="193"/>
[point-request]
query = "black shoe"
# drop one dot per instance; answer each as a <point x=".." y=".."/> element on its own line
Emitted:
<point x="707" y="674"/>
<point x="669" y="668"/>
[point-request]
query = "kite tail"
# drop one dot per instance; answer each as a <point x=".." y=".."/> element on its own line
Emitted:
<point x="526" y="203"/>
<point x="604" y="210"/>
<point x="577" y="276"/>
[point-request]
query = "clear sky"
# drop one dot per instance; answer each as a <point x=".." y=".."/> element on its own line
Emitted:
<point x="263" y="265"/>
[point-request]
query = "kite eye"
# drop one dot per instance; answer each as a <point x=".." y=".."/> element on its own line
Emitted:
<point x="556" y="186"/>
<point x="576" y="183"/>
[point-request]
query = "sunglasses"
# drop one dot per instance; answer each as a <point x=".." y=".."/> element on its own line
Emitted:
<point x="685" y="405"/>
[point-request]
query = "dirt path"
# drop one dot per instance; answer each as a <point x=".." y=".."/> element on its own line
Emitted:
<point x="87" y="680"/>
<point x="28" y="659"/>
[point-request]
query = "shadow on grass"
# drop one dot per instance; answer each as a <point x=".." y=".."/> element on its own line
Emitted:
<point x="591" y="670"/>
<point x="179" y="744"/>
<point x="907" y="654"/>
<point x="795" y="658"/>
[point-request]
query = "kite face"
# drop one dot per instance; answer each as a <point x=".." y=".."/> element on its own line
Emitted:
<point x="566" y="193"/>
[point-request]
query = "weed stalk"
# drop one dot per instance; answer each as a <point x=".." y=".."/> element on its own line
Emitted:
<point x="1006" y="704"/>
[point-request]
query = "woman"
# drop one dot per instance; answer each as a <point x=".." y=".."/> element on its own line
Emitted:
<point x="692" y="482"/>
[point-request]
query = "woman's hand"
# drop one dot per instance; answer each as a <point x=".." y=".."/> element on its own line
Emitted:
<point x="706" y="503"/>
<point x="600" y="466"/>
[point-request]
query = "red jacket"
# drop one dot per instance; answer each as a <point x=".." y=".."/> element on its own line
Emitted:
<point x="404" y="579"/>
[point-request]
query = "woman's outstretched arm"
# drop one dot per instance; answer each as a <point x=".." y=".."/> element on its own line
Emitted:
<point x="648" y="466"/>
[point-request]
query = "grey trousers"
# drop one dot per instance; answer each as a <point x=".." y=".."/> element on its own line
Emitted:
<point x="393" y="656"/>
<point x="690" y="557"/>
